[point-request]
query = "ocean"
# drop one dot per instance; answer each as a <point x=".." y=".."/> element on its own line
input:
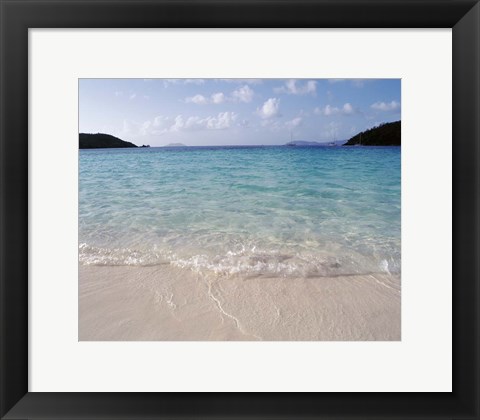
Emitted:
<point x="243" y="211"/>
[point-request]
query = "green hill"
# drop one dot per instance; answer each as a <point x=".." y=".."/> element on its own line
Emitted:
<point x="387" y="134"/>
<point x="101" y="141"/>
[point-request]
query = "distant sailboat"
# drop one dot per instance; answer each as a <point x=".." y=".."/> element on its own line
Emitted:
<point x="334" y="141"/>
<point x="291" y="140"/>
<point x="360" y="141"/>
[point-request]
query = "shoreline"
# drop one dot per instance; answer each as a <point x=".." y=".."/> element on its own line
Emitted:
<point x="165" y="303"/>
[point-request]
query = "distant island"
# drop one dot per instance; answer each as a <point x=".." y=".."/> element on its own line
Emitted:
<point x="175" y="145"/>
<point x="388" y="134"/>
<point x="304" y="143"/>
<point x="102" y="141"/>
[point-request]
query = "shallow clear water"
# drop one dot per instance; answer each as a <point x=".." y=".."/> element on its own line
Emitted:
<point x="274" y="211"/>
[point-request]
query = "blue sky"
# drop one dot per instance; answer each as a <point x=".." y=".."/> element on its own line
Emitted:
<point x="235" y="111"/>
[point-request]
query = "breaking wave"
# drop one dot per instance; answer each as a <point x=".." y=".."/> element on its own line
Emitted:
<point x="247" y="262"/>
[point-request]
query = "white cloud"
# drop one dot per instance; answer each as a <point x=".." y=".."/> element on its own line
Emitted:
<point x="218" y="98"/>
<point x="348" y="109"/>
<point x="383" y="106"/>
<point x="133" y="96"/>
<point x="118" y="93"/>
<point x="294" y="123"/>
<point x="222" y="121"/>
<point x="144" y="128"/>
<point x="293" y="87"/>
<point x="163" y="124"/>
<point x="329" y="110"/>
<point x="178" y="124"/>
<point x="192" y="123"/>
<point x="160" y="121"/>
<point x="243" y="94"/>
<point x="197" y="99"/>
<point x="157" y="126"/>
<point x="269" y="109"/>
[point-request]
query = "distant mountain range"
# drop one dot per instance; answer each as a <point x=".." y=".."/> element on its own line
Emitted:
<point x="101" y="141"/>
<point x="303" y="143"/>
<point x="388" y="134"/>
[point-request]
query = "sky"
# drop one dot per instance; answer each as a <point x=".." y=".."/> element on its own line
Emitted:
<point x="204" y="112"/>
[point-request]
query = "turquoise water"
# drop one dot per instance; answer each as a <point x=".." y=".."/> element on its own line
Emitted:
<point x="271" y="211"/>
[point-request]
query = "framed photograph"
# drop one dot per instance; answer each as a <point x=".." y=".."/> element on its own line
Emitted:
<point x="239" y="198"/>
<point x="239" y="230"/>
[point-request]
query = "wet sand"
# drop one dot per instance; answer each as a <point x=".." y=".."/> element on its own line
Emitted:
<point x="163" y="303"/>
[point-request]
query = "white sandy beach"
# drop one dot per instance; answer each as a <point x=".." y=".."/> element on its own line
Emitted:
<point x="167" y="303"/>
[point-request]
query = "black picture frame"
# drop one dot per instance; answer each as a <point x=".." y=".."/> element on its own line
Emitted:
<point x="17" y="16"/>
